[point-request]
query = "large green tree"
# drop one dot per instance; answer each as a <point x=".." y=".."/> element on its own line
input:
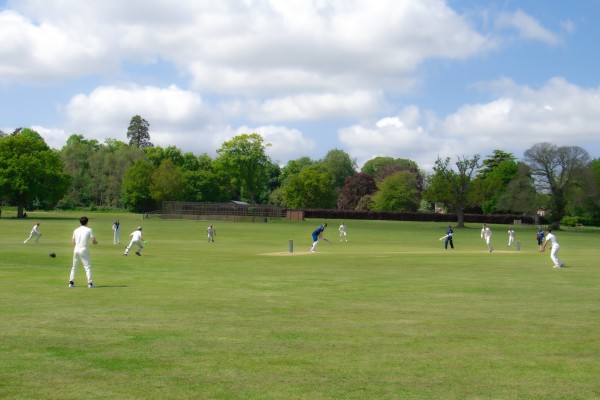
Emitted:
<point x="339" y="165"/>
<point x="295" y="166"/>
<point x="96" y="170"/>
<point x="380" y="167"/>
<point x="31" y="174"/>
<point x="588" y="201"/>
<point x="273" y="183"/>
<point x="138" y="132"/>
<point x="202" y="183"/>
<point x="204" y="186"/>
<point x="557" y="172"/>
<point x="157" y="154"/>
<point x="310" y="188"/>
<point x="135" y="191"/>
<point x="375" y="164"/>
<point x="492" y="162"/>
<point x="492" y="180"/>
<point x="397" y="192"/>
<point x="453" y="188"/>
<point x="245" y="161"/>
<point x="519" y="195"/>
<point x="167" y="183"/>
<point x="76" y="155"/>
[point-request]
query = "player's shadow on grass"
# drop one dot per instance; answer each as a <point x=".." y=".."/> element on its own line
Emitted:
<point x="110" y="286"/>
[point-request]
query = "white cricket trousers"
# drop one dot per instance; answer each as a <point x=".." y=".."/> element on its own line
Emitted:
<point x="82" y="255"/>
<point x="32" y="234"/>
<point x="488" y="241"/>
<point x="554" y="256"/>
<point x="137" y="243"/>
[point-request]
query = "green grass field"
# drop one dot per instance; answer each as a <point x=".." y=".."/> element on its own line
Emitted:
<point x="388" y="315"/>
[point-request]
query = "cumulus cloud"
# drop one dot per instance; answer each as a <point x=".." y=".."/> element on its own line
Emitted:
<point x="285" y="143"/>
<point x="270" y="66"/>
<point x="558" y="112"/>
<point x="307" y="107"/>
<point x="37" y="52"/>
<point x="314" y="45"/>
<point x="232" y="47"/>
<point x="54" y="138"/>
<point x="395" y="136"/>
<point x="176" y="116"/>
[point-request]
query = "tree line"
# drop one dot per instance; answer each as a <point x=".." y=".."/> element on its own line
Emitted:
<point x="139" y="176"/>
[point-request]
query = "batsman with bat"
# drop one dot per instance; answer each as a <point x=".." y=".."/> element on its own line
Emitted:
<point x="448" y="237"/>
<point x="316" y="235"/>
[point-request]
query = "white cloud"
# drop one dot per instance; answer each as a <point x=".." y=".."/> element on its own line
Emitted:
<point x="558" y="112"/>
<point x="286" y="144"/>
<point x="276" y="63"/>
<point x="55" y="138"/>
<point x="176" y="116"/>
<point x="315" y="106"/>
<point x="38" y="52"/>
<point x="527" y="27"/>
<point x="260" y="47"/>
<point x="518" y="117"/>
<point x="396" y="136"/>
<point x="314" y="45"/>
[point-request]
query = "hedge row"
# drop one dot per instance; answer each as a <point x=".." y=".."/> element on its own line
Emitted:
<point x="506" y="219"/>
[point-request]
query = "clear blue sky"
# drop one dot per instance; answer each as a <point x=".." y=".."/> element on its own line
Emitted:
<point x="400" y="78"/>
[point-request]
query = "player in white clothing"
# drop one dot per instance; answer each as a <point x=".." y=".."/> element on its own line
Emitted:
<point x="511" y="236"/>
<point x="343" y="232"/>
<point x="81" y="240"/>
<point x="35" y="231"/>
<point x="212" y="232"/>
<point x="136" y="239"/>
<point x="116" y="232"/>
<point x="486" y="233"/>
<point x="555" y="247"/>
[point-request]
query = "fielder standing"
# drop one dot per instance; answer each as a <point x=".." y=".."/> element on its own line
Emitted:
<point x="511" y="236"/>
<point x="555" y="247"/>
<point x="35" y="231"/>
<point x="116" y="232"/>
<point x="343" y="232"/>
<point x="136" y="239"/>
<point x="212" y="232"/>
<point x="81" y="239"/>
<point x="486" y="233"/>
<point x="316" y="235"/>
